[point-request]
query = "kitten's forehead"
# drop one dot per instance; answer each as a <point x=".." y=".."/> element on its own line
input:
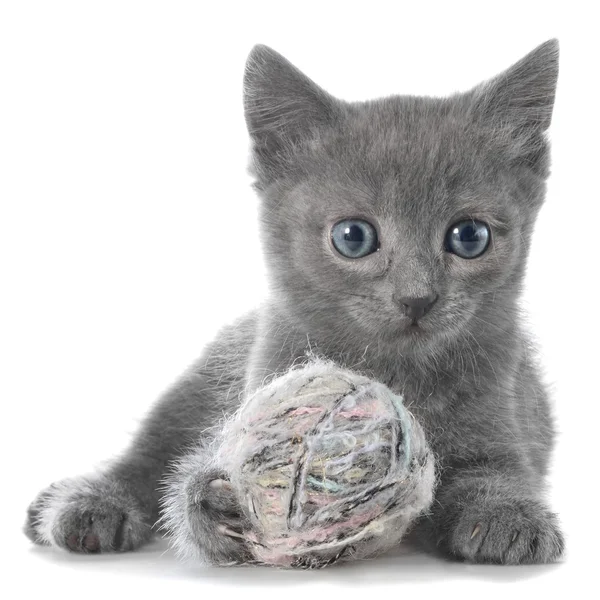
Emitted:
<point x="407" y="157"/>
<point x="418" y="136"/>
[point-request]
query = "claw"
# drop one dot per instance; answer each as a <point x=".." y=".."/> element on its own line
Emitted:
<point x="230" y="532"/>
<point x="476" y="530"/>
<point x="220" y="484"/>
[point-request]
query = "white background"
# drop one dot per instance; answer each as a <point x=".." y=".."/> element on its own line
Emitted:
<point x="128" y="236"/>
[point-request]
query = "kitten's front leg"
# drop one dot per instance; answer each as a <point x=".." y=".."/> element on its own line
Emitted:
<point x="486" y="516"/>
<point x="116" y="509"/>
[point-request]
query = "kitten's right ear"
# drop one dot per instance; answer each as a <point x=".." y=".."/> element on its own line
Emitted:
<point x="282" y="107"/>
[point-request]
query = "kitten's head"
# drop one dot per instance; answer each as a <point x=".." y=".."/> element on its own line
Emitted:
<point x="405" y="219"/>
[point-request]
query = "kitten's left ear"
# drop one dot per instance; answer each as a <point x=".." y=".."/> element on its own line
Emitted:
<point x="520" y="100"/>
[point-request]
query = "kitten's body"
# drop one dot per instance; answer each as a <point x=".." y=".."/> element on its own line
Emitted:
<point x="411" y="165"/>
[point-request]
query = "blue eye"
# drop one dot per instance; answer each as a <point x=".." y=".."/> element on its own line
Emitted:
<point x="468" y="239"/>
<point x="354" y="238"/>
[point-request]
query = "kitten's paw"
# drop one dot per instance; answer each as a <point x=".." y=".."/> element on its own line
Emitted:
<point x="216" y="518"/>
<point x="89" y="515"/>
<point x="203" y="516"/>
<point x="512" y="533"/>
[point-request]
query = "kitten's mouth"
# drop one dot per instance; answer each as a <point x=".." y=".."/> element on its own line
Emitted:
<point x="411" y="335"/>
<point x="414" y="328"/>
<point x="410" y="330"/>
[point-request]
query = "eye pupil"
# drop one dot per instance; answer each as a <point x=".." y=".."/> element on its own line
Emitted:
<point x="468" y="233"/>
<point x="468" y="239"/>
<point x="354" y="238"/>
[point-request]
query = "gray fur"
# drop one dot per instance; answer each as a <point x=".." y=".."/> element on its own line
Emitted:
<point x="412" y="166"/>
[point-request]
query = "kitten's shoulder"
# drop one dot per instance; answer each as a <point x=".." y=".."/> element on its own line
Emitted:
<point x="230" y="348"/>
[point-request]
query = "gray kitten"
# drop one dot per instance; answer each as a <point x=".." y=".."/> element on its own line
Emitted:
<point x="396" y="234"/>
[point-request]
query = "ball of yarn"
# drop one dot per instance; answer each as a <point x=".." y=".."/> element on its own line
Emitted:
<point x="328" y="465"/>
